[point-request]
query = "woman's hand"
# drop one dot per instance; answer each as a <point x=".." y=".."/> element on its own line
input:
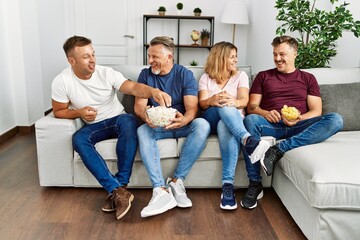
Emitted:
<point x="223" y="99"/>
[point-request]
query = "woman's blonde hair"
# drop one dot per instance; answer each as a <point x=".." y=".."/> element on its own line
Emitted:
<point x="216" y="63"/>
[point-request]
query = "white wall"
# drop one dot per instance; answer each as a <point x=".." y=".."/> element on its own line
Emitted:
<point x="7" y="115"/>
<point x="21" y="92"/>
<point x="33" y="32"/>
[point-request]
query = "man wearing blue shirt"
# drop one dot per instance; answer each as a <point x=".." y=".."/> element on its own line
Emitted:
<point x="180" y="84"/>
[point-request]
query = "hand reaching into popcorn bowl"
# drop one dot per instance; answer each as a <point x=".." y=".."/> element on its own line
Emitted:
<point x="161" y="116"/>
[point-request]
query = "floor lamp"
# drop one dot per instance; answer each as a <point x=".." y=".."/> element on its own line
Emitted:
<point x="235" y="12"/>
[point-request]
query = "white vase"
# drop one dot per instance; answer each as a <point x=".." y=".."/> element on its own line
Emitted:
<point x="179" y="12"/>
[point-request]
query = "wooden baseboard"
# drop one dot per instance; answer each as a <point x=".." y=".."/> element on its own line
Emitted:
<point x="19" y="129"/>
<point x="26" y="129"/>
<point x="47" y="112"/>
<point x="7" y="135"/>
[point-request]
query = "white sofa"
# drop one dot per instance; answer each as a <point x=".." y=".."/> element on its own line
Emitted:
<point x="59" y="165"/>
<point x="318" y="184"/>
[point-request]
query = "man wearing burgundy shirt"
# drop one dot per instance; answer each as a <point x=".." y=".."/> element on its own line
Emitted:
<point x="270" y="91"/>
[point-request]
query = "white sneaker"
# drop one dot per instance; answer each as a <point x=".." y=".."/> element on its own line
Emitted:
<point x="179" y="192"/>
<point x="160" y="202"/>
<point x="259" y="152"/>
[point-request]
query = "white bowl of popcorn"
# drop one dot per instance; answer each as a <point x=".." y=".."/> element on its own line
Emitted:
<point x="160" y="116"/>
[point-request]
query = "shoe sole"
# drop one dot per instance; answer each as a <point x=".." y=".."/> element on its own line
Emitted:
<point x="261" y="194"/>
<point x="167" y="207"/>
<point x="259" y="152"/>
<point x="127" y="209"/>
<point x="264" y="167"/>
<point x="108" y="209"/>
<point x="228" y="207"/>
<point x="183" y="206"/>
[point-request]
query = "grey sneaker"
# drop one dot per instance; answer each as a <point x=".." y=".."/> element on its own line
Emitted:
<point x="160" y="202"/>
<point x="179" y="192"/>
<point x="271" y="157"/>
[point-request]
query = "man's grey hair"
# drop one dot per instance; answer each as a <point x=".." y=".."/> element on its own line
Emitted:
<point x="166" y="41"/>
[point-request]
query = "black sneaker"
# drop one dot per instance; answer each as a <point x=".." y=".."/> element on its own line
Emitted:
<point x="271" y="157"/>
<point x="254" y="193"/>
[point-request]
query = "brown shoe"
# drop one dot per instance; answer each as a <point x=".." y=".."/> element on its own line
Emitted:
<point x="122" y="199"/>
<point x="109" y="205"/>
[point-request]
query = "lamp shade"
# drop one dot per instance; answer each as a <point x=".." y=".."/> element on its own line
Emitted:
<point x="235" y="12"/>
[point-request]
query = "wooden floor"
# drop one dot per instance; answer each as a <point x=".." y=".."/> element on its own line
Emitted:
<point x="28" y="211"/>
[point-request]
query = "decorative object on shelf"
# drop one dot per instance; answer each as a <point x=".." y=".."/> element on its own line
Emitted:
<point x="195" y="35"/>
<point x="179" y="7"/>
<point x="197" y="12"/>
<point x="193" y="63"/>
<point x="162" y="10"/>
<point x="318" y="30"/>
<point x="205" y="35"/>
<point x="235" y="12"/>
<point x="182" y="45"/>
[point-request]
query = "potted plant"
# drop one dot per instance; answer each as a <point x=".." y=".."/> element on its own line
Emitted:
<point x="205" y="35"/>
<point x="197" y="11"/>
<point x="179" y="7"/>
<point x="161" y="10"/>
<point x="318" y="29"/>
<point x="193" y="63"/>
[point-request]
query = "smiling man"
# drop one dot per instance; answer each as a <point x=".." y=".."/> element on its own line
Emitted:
<point x="270" y="91"/>
<point x="88" y="91"/>
<point x="181" y="85"/>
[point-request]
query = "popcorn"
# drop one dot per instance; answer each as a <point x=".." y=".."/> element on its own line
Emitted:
<point x="290" y="113"/>
<point x="160" y="116"/>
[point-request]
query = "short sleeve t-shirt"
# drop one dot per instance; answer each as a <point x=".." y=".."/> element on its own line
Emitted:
<point x="99" y="92"/>
<point x="178" y="83"/>
<point x="241" y="79"/>
<point x="279" y="89"/>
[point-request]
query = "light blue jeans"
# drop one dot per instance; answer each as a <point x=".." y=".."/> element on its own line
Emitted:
<point x="123" y="127"/>
<point x="306" y="132"/>
<point x="196" y="134"/>
<point x="227" y="123"/>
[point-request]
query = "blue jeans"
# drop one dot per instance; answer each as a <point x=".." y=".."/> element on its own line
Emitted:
<point x="196" y="134"/>
<point x="306" y="132"/>
<point x="123" y="127"/>
<point x="227" y="123"/>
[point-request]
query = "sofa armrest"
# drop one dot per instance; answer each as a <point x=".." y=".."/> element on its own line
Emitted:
<point x="54" y="150"/>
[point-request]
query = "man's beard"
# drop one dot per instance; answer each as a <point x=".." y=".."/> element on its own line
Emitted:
<point x="156" y="72"/>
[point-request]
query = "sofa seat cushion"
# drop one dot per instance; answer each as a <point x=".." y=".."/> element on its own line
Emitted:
<point x="211" y="151"/>
<point x="167" y="147"/>
<point x="326" y="173"/>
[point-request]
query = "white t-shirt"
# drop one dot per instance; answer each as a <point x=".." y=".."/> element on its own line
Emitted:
<point x="241" y="79"/>
<point x="99" y="92"/>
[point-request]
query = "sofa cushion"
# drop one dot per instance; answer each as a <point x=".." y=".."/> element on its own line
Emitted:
<point x="211" y="151"/>
<point x="343" y="99"/>
<point x="325" y="173"/>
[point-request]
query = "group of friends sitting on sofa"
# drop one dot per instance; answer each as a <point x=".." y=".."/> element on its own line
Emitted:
<point x="88" y="91"/>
